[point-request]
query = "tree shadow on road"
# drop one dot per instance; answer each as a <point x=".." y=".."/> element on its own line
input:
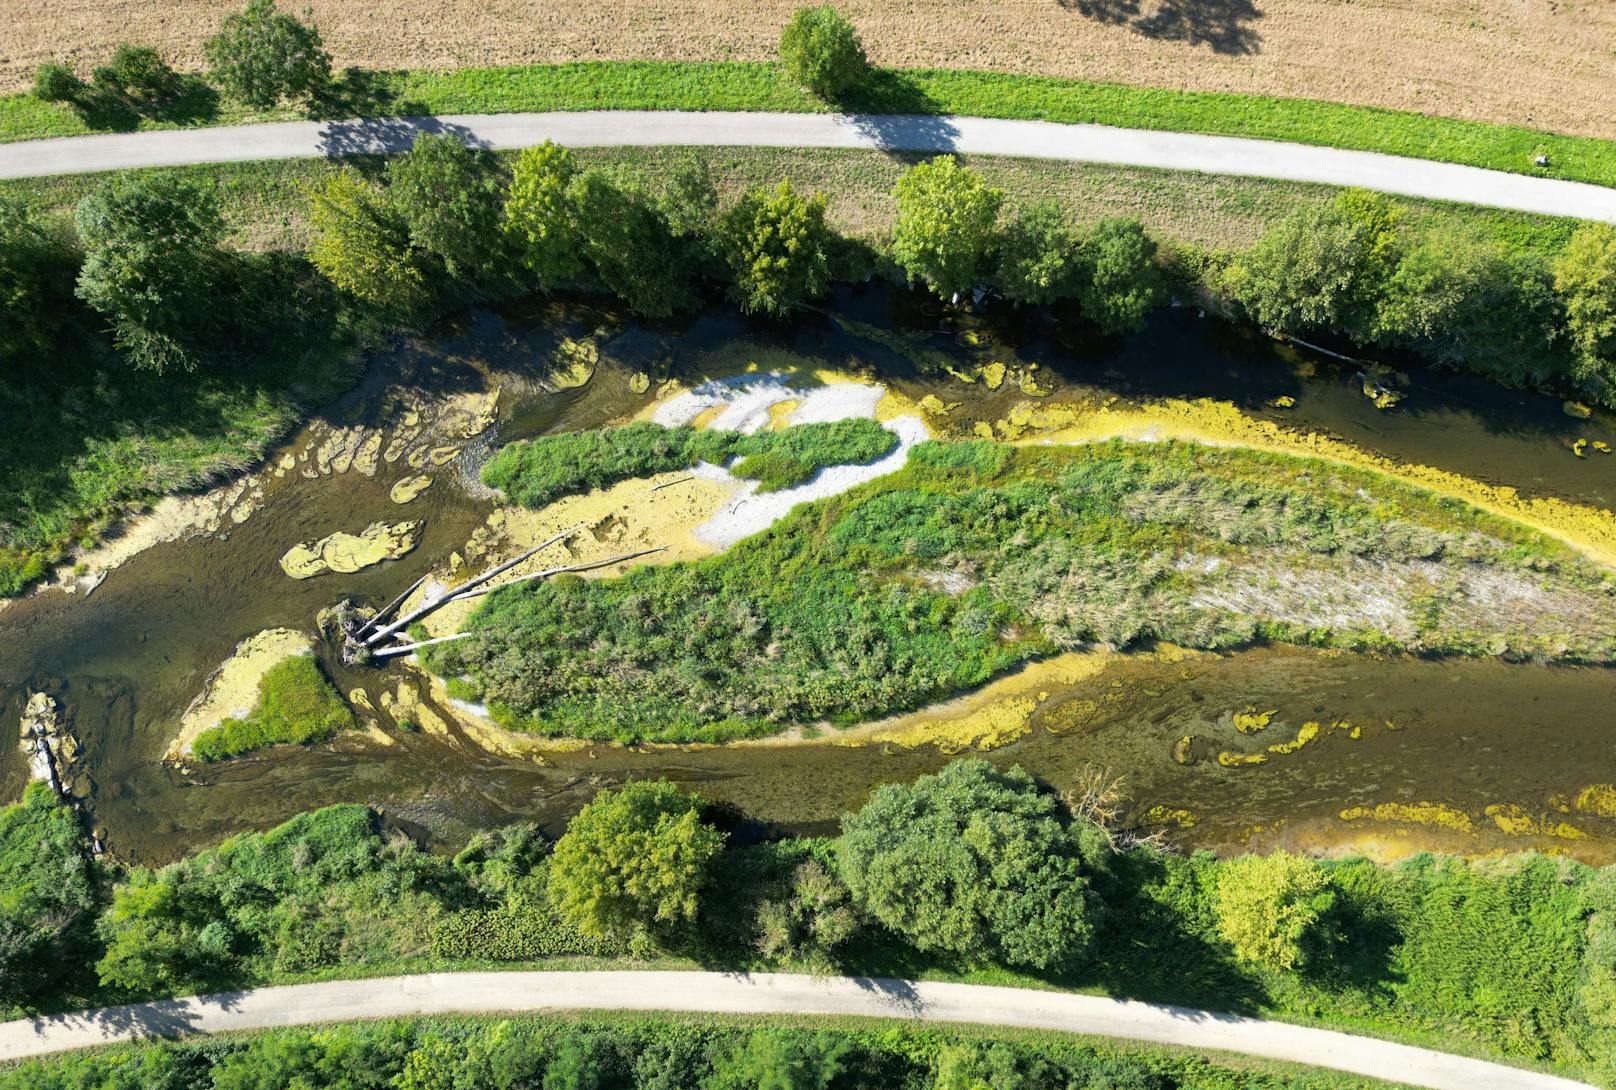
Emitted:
<point x="1224" y="26"/>
<point x="898" y="114"/>
<point x="387" y="135"/>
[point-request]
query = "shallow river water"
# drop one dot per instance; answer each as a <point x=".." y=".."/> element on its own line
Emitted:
<point x="1452" y="739"/>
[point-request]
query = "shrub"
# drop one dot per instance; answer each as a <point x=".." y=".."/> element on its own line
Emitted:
<point x="1269" y="907"/>
<point x="48" y="894"/>
<point x="540" y="216"/>
<point x="38" y="264"/>
<point x="780" y="1059"/>
<point x="814" y="918"/>
<point x="631" y="245"/>
<point x="821" y="51"/>
<point x="976" y="863"/>
<point x="633" y="861"/>
<point x="1302" y="274"/>
<point x="296" y="706"/>
<point x="360" y="244"/>
<point x="449" y="197"/>
<point x="1585" y="278"/>
<point x="944" y="232"/>
<point x="55" y="82"/>
<point x="137" y="74"/>
<point x="262" y="56"/>
<point x="775" y="246"/>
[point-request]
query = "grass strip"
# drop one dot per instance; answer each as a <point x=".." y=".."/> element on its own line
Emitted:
<point x="648" y="85"/>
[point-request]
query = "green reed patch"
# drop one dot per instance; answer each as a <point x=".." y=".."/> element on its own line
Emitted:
<point x="296" y="705"/>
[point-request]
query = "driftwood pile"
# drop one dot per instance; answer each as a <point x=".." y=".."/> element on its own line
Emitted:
<point x="366" y="637"/>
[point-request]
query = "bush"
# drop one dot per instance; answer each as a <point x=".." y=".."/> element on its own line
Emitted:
<point x="262" y="56"/>
<point x="1585" y="277"/>
<point x="449" y="197"/>
<point x="1038" y="256"/>
<point x="539" y="215"/>
<point x="136" y="74"/>
<point x="775" y="246"/>
<point x="975" y="863"/>
<point x="360" y="244"/>
<point x="633" y="862"/>
<point x="1118" y="282"/>
<point x="1270" y="907"/>
<point x="38" y="263"/>
<point x="48" y="895"/>
<point x="821" y="51"/>
<point x="296" y="706"/>
<point x="55" y="82"/>
<point x="944" y="233"/>
<point x="811" y="922"/>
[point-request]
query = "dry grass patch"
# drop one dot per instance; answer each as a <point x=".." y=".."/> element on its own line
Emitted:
<point x="1548" y="64"/>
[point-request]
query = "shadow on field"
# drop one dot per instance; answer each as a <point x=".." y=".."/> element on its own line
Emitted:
<point x="1221" y="25"/>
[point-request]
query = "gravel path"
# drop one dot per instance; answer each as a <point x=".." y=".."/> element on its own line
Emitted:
<point x="768" y="993"/>
<point x="1031" y="139"/>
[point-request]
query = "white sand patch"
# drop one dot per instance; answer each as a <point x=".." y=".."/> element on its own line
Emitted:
<point x="751" y="512"/>
<point x="746" y="400"/>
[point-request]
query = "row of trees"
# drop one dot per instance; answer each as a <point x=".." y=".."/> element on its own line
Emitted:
<point x="1355" y="267"/>
<point x="260" y="56"/>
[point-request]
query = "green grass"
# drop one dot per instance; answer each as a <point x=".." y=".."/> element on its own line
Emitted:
<point x="977" y="557"/>
<point x="535" y="471"/>
<point x="754" y="86"/>
<point x="296" y="706"/>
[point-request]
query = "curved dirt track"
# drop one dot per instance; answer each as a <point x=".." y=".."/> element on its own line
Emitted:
<point x="768" y="993"/>
<point x="1226" y="155"/>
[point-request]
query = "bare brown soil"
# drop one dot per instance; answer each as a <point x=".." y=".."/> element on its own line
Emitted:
<point x="1548" y="64"/>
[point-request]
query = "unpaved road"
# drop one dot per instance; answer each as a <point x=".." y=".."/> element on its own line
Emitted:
<point x="769" y="993"/>
<point x="1226" y="155"/>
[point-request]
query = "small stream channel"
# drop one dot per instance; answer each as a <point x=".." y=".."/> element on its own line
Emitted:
<point x="126" y="662"/>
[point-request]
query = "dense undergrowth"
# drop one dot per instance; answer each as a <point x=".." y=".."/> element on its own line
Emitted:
<point x="535" y="471"/>
<point x="657" y="85"/>
<point x="642" y="1052"/>
<point x="978" y="556"/>
<point x="1506" y="956"/>
<point x="296" y="705"/>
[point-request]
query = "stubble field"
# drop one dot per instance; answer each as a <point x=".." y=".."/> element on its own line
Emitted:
<point x="1546" y="64"/>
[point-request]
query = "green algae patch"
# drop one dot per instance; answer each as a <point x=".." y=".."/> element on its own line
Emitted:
<point x="1251" y="720"/>
<point x="296" y="705"/>
<point x="345" y="552"/>
<point x="1435" y="814"/>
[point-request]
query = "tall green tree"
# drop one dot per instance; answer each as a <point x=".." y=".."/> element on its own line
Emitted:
<point x="977" y="863"/>
<point x="38" y="264"/>
<point x="1118" y="281"/>
<point x="634" y="860"/>
<point x="539" y="215"/>
<point x="631" y="246"/>
<point x="945" y="230"/>
<point x="1302" y="274"/>
<point x="47" y="894"/>
<point x="1270" y="907"/>
<point x="153" y="266"/>
<point x="1585" y="278"/>
<point x="363" y="246"/>
<point x="778" y="1059"/>
<point x="821" y="51"/>
<point x="774" y="244"/>
<point x="262" y="56"/>
<point x="451" y="198"/>
<point x="1038" y="255"/>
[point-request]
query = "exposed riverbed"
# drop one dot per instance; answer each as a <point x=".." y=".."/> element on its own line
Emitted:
<point x="1459" y="755"/>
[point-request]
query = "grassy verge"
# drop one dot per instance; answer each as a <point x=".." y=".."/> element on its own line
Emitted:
<point x="631" y="1049"/>
<point x="754" y="86"/>
<point x="977" y="557"/>
<point x="296" y="706"/>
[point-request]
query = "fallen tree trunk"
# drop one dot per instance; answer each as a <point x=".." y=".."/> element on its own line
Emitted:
<point x="382" y="613"/>
<point x="405" y="649"/>
<point x="546" y="573"/>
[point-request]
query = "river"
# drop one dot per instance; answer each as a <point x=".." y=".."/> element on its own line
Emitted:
<point x="1441" y="741"/>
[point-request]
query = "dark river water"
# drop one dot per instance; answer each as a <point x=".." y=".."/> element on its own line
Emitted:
<point x="1462" y="736"/>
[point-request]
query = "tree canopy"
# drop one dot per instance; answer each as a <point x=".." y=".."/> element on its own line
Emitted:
<point x="450" y="197"/>
<point x="47" y="893"/>
<point x="362" y="246"/>
<point x="1118" y="283"/>
<point x="1585" y="277"/>
<point x="975" y="862"/>
<point x="821" y="51"/>
<point x="775" y="244"/>
<point x="540" y="216"/>
<point x="630" y="244"/>
<point x="262" y="56"/>
<point x="1269" y="906"/>
<point x="945" y="228"/>
<point x="1038" y="255"/>
<point x="633" y="861"/>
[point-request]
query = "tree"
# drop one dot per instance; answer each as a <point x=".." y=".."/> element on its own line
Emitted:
<point x="821" y="51"/>
<point x="152" y="265"/>
<point x="1038" y="256"/>
<point x="361" y="245"/>
<point x="1118" y="283"/>
<point x="450" y="198"/>
<point x="775" y="247"/>
<point x="583" y="1060"/>
<point x="1302" y="274"/>
<point x="136" y="74"/>
<point x="540" y="217"/>
<point x="631" y="246"/>
<point x="975" y="862"/>
<point x="1585" y="278"/>
<point x="1269" y="906"/>
<point x="38" y="264"/>
<point x="56" y="82"/>
<point x="945" y="226"/>
<point x="1463" y="300"/>
<point x="780" y="1059"/>
<point x="808" y="924"/>
<point x="47" y="894"/>
<point x="262" y="56"/>
<point x="633" y="860"/>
